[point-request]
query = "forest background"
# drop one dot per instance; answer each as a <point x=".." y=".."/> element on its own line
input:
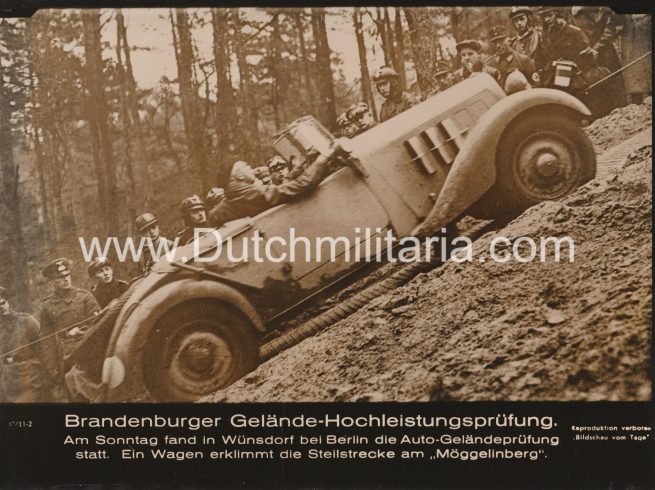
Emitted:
<point x="106" y="114"/>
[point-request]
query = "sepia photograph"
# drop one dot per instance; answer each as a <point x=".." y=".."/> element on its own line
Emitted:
<point x="326" y="204"/>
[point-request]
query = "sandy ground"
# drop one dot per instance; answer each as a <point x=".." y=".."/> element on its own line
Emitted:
<point x="514" y="331"/>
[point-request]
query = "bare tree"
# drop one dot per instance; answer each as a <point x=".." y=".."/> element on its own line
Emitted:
<point x="195" y="134"/>
<point x="325" y="83"/>
<point x="97" y="113"/>
<point x="365" y="77"/>
<point x="226" y="110"/>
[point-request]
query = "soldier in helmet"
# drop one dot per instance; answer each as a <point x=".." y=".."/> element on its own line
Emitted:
<point x="279" y="169"/>
<point x="147" y="224"/>
<point x="107" y="288"/>
<point x="469" y="56"/>
<point x="65" y="307"/>
<point x="395" y="100"/>
<point x="443" y="77"/>
<point x="528" y="39"/>
<point x="360" y="115"/>
<point x="347" y="128"/>
<point x="561" y="40"/>
<point x="506" y="60"/>
<point x="195" y="216"/>
<point x="21" y="369"/>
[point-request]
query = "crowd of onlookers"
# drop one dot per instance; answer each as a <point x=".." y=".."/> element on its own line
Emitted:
<point x="579" y="39"/>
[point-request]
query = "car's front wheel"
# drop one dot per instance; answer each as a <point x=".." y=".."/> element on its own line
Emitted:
<point x="543" y="155"/>
<point x="199" y="347"/>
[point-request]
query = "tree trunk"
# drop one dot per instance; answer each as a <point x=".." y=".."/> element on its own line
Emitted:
<point x="305" y="61"/>
<point x="12" y="225"/>
<point x="226" y="110"/>
<point x="250" y="127"/>
<point x="365" y="78"/>
<point x="400" y="48"/>
<point x="422" y="31"/>
<point x="98" y="114"/>
<point x="327" y="110"/>
<point x="195" y="135"/>
<point x="144" y="162"/>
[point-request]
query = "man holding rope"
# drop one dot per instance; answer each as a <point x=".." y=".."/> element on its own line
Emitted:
<point x="65" y="307"/>
<point x="21" y="371"/>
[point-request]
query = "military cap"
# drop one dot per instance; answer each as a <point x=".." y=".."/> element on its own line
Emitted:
<point x="357" y="109"/>
<point x="277" y="162"/>
<point x="517" y="11"/>
<point x="192" y="202"/>
<point x="469" y="43"/>
<point x="498" y="32"/>
<point x="546" y="10"/>
<point x="215" y="195"/>
<point x="443" y="68"/>
<point x="145" y="221"/>
<point x="342" y="120"/>
<point x="57" y="268"/>
<point x="385" y="73"/>
<point x="96" y="264"/>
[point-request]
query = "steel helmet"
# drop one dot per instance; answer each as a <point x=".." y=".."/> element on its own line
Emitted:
<point x="357" y="109"/>
<point x="145" y="221"/>
<point x="385" y="73"/>
<point x="192" y="202"/>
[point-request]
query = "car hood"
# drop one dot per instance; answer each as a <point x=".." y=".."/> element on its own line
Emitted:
<point x="206" y="243"/>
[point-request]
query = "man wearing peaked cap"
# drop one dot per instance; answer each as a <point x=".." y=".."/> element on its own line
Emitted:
<point x="528" y="39"/>
<point x="21" y="371"/>
<point x="469" y="56"/>
<point x="107" y="287"/>
<point x="65" y="307"/>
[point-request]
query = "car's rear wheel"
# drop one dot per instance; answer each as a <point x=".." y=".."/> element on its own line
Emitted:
<point x="542" y="156"/>
<point x="199" y="347"/>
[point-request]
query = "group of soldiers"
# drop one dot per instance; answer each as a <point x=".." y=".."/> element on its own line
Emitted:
<point x="583" y="36"/>
<point x="34" y="355"/>
<point x="33" y="352"/>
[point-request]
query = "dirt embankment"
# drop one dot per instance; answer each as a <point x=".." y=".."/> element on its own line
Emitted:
<point x="503" y="331"/>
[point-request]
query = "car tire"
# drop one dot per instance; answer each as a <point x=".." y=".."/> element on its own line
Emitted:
<point x="197" y="348"/>
<point x="542" y="155"/>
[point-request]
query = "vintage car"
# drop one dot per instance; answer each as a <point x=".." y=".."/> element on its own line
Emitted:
<point x="193" y="326"/>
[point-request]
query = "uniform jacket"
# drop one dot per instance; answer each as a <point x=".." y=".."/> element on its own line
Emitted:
<point x="530" y="44"/>
<point x="514" y="60"/>
<point x="564" y="42"/>
<point x="21" y="373"/>
<point x="244" y="198"/>
<point x="104" y="293"/>
<point x="147" y="260"/>
<point x="58" y="312"/>
<point x="396" y="104"/>
<point x="463" y="73"/>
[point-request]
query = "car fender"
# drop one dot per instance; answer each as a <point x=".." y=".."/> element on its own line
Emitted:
<point x="474" y="169"/>
<point x="123" y="374"/>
